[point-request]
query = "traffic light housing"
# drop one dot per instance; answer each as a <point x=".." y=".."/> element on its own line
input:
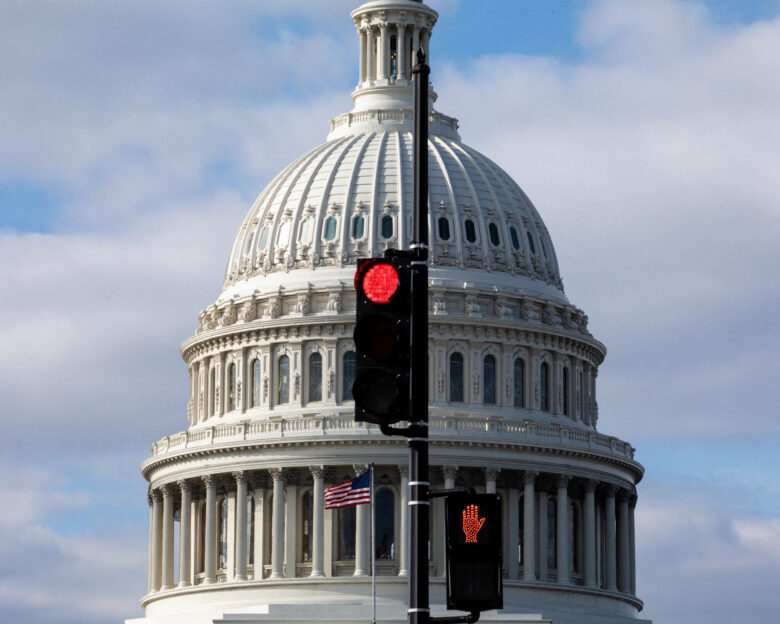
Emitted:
<point x="382" y="342"/>
<point x="474" y="528"/>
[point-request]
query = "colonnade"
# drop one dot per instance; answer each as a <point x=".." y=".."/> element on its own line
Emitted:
<point x="559" y="529"/>
<point x="386" y="50"/>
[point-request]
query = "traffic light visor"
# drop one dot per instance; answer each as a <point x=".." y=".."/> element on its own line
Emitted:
<point x="378" y="282"/>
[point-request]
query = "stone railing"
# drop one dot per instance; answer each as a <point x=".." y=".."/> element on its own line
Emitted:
<point x="398" y="115"/>
<point x="482" y="429"/>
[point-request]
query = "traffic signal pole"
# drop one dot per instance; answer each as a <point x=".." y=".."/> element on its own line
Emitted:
<point x="419" y="484"/>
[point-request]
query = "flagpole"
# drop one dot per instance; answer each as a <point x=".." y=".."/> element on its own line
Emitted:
<point x="373" y="550"/>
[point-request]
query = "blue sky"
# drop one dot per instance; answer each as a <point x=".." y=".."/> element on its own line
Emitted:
<point x="135" y="135"/>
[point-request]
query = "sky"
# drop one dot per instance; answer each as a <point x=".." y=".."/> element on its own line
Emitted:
<point x="134" y="136"/>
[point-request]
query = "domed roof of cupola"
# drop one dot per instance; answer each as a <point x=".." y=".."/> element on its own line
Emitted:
<point x="351" y="197"/>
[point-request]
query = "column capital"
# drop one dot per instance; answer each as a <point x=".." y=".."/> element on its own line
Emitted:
<point x="610" y="490"/>
<point x="491" y="473"/>
<point x="317" y="472"/>
<point x="449" y="472"/>
<point x="590" y="485"/>
<point x="403" y="470"/>
<point x="623" y="495"/>
<point x="209" y="481"/>
<point x="529" y="477"/>
<point x="563" y="481"/>
<point x="359" y="469"/>
<point x="240" y="476"/>
<point x="276" y="474"/>
<point x="167" y="490"/>
<point x="155" y="495"/>
<point x="184" y="485"/>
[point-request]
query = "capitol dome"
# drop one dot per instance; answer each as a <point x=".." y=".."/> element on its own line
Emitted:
<point x="238" y="527"/>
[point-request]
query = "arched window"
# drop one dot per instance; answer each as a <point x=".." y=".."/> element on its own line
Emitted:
<point x="385" y="524"/>
<point x="232" y="388"/>
<point x="348" y="377"/>
<point x="566" y="390"/>
<point x="306" y="229"/>
<point x="329" y="229"/>
<point x="519" y="385"/>
<point x="358" y="226"/>
<point x="256" y="383"/>
<point x="387" y="226"/>
<point x="393" y="57"/>
<point x="284" y="233"/>
<point x="315" y="377"/>
<point x="346" y="533"/>
<point x="212" y="391"/>
<point x="493" y="232"/>
<point x="552" y="532"/>
<point x="515" y="239"/>
<point x="250" y="529"/>
<point x="489" y="380"/>
<point x="456" y="378"/>
<point x="222" y="541"/>
<point x="471" y="232"/>
<point x="444" y="228"/>
<point x="284" y="379"/>
<point x="307" y="518"/>
<point x="544" y="381"/>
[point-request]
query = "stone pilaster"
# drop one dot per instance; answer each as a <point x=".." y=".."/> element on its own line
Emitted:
<point x="185" y="535"/>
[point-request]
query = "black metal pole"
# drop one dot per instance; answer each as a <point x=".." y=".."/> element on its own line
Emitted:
<point x="419" y="486"/>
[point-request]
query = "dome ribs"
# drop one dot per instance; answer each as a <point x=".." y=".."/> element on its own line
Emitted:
<point x="349" y="195"/>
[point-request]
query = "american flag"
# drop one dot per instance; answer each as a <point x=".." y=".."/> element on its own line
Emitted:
<point x="354" y="492"/>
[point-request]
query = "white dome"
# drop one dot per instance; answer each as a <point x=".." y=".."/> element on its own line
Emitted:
<point x="351" y="198"/>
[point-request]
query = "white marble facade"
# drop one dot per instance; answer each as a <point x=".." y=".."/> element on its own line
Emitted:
<point x="238" y="532"/>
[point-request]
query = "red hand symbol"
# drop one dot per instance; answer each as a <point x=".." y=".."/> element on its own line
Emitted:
<point x="472" y="523"/>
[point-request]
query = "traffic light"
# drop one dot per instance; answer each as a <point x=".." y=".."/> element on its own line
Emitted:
<point x="474" y="581"/>
<point x="381" y="386"/>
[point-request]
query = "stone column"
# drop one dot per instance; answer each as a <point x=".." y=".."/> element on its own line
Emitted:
<point x="362" y="520"/>
<point x="167" y="536"/>
<point x="425" y="38"/>
<point x="155" y="568"/>
<point x="241" y="527"/>
<point x="562" y="526"/>
<point x="291" y="523"/>
<point x="185" y="539"/>
<point x="277" y="524"/>
<point x="318" y="521"/>
<point x="529" y="532"/>
<point x="362" y="72"/>
<point x="632" y="544"/>
<point x="415" y="47"/>
<point x="400" y="43"/>
<point x="589" y="570"/>
<point x="490" y="480"/>
<point x="383" y="49"/>
<point x="511" y="534"/>
<point x="370" y="62"/>
<point x="610" y="562"/>
<point x="623" y="554"/>
<point x="403" y="534"/>
<point x="543" y="569"/>
<point x="210" y="537"/>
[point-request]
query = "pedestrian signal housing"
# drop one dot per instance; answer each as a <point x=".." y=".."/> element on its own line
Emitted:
<point x="474" y="538"/>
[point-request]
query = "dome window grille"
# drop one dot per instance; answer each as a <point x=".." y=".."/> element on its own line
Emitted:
<point x="358" y="227"/>
<point x="489" y="380"/>
<point x="350" y="360"/>
<point x="544" y="384"/>
<point x="531" y="243"/>
<point x="387" y="227"/>
<point x="444" y="228"/>
<point x="456" y="378"/>
<point x="256" y="383"/>
<point x="493" y="231"/>
<point x="264" y="238"/>
<point x="315" y="377"/>
<point x="471" y="232"/>
<point x="519" y="382"/>
<point x="515" y="239"/>
<point x="330" y="229"/>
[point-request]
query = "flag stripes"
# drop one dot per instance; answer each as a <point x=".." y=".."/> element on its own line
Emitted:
<point x="354" y="492"/>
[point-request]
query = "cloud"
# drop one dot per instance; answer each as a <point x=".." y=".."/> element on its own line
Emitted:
<point x="652" y="162"/>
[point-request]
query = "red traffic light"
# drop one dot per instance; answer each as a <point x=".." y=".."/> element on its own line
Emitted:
<point x="378" y="282"/>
